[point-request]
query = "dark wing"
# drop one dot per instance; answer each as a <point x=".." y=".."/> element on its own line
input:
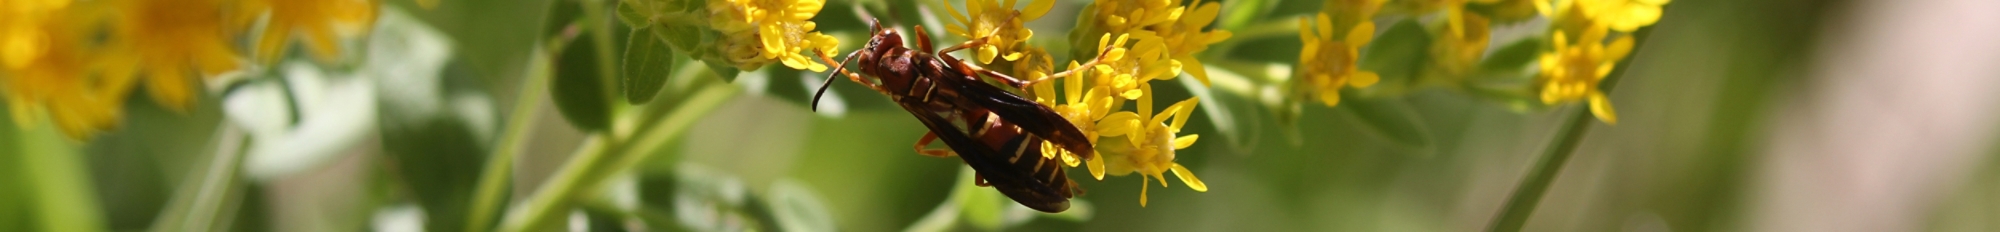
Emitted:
<point x="1017" y="184"/>
<point x="1032" y="117"/>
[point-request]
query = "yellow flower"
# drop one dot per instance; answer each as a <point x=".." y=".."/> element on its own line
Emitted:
<point x="1178" y="28"/>
<point x="171" y="42"/>
<point x="1129" y="142"/>
<point x="1126" y="71"/>
<point x="1572" y="70"/>
<point x="762" y="31"/>
<point x="1328" y="63"/>
<point x="1083" y="104"/>
<point x="999" y="24"/>
<point x="1145" y="144"/>
<point x="1185" y="38"/>
<point x="320" y="22"/>
<point x="47" y="70"/>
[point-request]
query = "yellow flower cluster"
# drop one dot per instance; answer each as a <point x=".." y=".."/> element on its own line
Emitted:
<point x="1127" y="141"/>
<point x="1574" y="67"/>
<point x="1179" y="28"/>
<point x="758" y="32"/>
<point x="999" y="24"/>
<point x="75" y="62"/>
<point x="1332" y="53"/>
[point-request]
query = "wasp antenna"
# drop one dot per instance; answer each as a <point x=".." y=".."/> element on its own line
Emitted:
<point x="838" y="68"/>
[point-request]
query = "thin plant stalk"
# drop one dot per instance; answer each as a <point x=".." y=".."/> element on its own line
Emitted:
<point x="1521" y="203"/>
<point x="490" y="192"/>
<point x="591" y="166"/>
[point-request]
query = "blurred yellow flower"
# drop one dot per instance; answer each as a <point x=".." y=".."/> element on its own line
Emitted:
<point x="762" y="31"/>
<point x="1328" y="63"/>
<point x="1572" y="70"/>
<point x="320" y="22"/>
<point x="171" y="43"/>
<point x="999" y="24"/>
<point x="1457" y="49"/>
<point x="47" y="70"/>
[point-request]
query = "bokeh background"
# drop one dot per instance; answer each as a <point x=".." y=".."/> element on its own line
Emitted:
<point x="1737" y="115"/>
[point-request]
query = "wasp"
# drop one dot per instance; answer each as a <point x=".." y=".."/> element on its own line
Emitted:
<point x="999" y="134"/>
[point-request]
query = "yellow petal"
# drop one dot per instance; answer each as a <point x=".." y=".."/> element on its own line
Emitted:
<point x="1195" y="68"/>
<point x="1189" y="178"/>
<point x="1601" y="106"/>
<point x="1117" y="124"/>
<point x="1325" y="27"/>
<point x="1142" y="191"/>
<point x="1618" y="48"/>
<point x="1330" y="98"/>
<point x="1185" y="141"/>
<point x="1361" y="34"/>
<point x="1305" y="31"/>
<point x="1096" y="167"/>
<point x="1036" y="8"/>
<point x="1363" y="79"/>
<point x="1181" y="112"/>
<point x="986" y="53"/>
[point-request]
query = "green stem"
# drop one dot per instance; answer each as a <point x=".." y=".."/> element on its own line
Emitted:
<point x="199" y="205"/>
<point x="60" y="180"/>
<point x="601" y="158"/>
<point x="493" y="178"/>
<point x="1514" y="214"/>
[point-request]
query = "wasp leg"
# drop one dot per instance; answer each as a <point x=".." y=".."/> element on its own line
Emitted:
<point x="923" y="38"/>
<point x="980" y="180"/>
<point x="926" y="142"/>
<point x="1085" y="66"/>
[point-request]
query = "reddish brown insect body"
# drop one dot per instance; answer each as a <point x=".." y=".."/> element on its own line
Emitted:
<point x="998" y="133"/>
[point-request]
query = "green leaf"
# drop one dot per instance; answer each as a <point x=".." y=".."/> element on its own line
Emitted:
<point x="633" y="17"/>
<point x="721" y="68"/>
<point x="1514" y="56"/>
<point x="648" y="63"/>
<point x="689" y="39"/>
<point x="1390" y="118"/>
<point x="578" y="88"/>
<point x="797" y="208"/>
<point x="1398" y="54"/>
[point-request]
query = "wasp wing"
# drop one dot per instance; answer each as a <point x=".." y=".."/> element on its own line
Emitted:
<point x="1030" y="116"/>
<point x="1019" y="185"/>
